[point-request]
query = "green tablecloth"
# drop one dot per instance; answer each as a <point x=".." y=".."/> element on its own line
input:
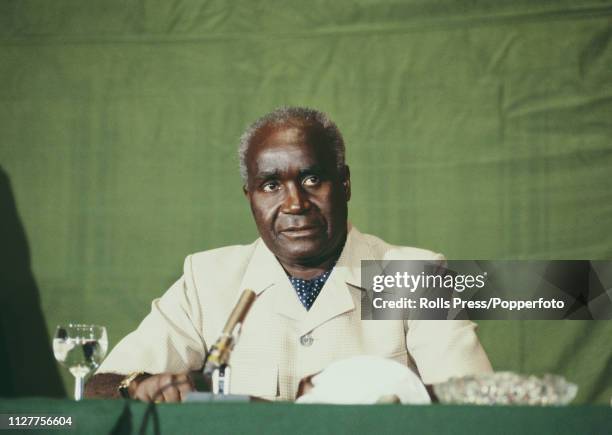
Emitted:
<point x="285" y="418"/>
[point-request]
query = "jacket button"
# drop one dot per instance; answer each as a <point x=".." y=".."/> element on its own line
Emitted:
<point x="306" y="340"/>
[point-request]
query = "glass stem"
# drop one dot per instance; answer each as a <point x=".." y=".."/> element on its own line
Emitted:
<point x="79" y="382"/>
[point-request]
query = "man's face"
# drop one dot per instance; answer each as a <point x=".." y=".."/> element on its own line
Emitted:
<point x="297" y="194"/>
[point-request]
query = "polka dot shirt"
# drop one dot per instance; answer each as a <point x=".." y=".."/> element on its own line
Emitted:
<point x="308" y="290"/>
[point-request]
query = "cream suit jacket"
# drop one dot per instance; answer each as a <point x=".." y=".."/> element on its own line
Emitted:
<point x="281" y="342"/>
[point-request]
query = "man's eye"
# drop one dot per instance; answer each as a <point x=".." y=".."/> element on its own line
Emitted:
<point x="310" y="181"/>
<point x="270" y="186"/>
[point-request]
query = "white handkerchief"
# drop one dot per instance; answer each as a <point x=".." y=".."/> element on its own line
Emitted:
<point x="364" y="380"/>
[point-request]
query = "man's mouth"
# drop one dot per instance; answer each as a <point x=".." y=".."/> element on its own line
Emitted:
<point x="301" y="231"/>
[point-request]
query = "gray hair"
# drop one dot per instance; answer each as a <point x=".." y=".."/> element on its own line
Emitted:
<point x="301" y="116"/>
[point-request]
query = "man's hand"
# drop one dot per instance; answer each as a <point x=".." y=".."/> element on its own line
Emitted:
<point x="165" y="387"/>
<point x="305" y="385"/>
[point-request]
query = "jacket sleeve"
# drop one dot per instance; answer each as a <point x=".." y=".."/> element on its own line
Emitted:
<point x="168" y="339"/>
<point x="443" y="349"/>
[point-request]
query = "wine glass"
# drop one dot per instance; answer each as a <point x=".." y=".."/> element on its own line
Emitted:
<point x="80" y="348"/>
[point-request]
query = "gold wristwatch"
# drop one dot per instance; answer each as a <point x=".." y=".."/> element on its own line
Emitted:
<point x="124" y="385"/>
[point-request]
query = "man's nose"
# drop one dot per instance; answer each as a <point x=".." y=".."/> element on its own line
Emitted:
<point x="296" y="200"/>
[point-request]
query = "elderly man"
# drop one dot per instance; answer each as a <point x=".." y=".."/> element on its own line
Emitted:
<point x="305" y="270"/>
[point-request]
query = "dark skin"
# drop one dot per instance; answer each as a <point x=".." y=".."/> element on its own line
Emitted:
<point x="298" y="197"/>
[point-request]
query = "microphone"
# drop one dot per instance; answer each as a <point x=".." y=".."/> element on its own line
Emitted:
<point x="216" y="365"/>
<point x="240" y="311"/>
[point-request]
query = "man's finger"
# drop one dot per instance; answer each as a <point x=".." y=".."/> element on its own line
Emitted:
<point x="154" y="390"/>
<point x="184" y="385"/>
<point x="167" y="391"/>
<point x="170" y="393"/>
<point x="146" y="389"/>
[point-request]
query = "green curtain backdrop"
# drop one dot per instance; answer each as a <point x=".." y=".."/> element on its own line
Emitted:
<point x="480" y="129"/>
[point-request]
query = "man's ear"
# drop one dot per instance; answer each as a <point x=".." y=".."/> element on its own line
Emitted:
<point x="245" y="191"/>
<point x="347" y="183"/>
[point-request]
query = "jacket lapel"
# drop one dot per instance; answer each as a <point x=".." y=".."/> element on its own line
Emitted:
<point x="336" y="297"/>
<point x="264" y="273"/>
